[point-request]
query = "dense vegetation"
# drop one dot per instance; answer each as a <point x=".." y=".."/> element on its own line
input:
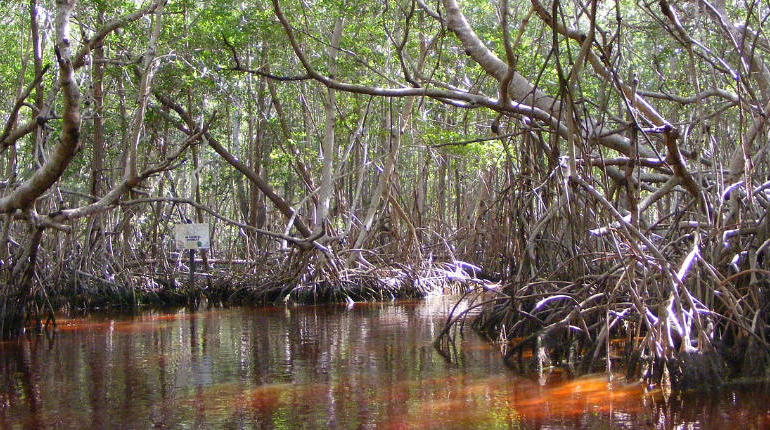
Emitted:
<point x="600" y="166"/>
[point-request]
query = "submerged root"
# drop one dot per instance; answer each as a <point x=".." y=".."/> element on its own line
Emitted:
<point x="696" y="370"/>
<point x="581" y="336"/>
<point x="587" y="299"/>
<point x="386" y="282"/>
<point x="294" y="277"/>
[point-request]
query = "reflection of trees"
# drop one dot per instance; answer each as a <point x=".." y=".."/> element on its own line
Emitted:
<point x="363" y="351"/>
<point x="18" y="360"/>
<point x="373" y="364"/>
<point x="96" y="369"/>
<point x="351" y="366"/>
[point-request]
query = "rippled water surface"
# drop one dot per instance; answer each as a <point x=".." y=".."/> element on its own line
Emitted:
<point x="368" y="366"/>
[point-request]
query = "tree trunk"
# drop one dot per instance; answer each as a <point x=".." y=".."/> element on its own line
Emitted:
<point x="240" y="189"/>
<point x="17" y="290"/>
<point x="443" y="160"/>
<point x="327" y="148"/>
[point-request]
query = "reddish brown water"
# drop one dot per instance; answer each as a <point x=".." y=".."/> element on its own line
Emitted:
<point x="370" y="366"/>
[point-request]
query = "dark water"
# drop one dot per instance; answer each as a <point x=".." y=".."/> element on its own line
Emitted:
<point x="369" y="366"/>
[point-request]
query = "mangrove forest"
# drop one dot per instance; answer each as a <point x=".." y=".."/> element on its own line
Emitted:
<point x="588" y="181"/>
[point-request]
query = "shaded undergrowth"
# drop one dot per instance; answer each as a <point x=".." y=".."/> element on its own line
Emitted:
<point x="676" y="302"/>
<point x="260" y="282"/>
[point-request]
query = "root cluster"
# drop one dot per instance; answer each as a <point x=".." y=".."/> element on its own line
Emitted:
<point x="676" y="301"/>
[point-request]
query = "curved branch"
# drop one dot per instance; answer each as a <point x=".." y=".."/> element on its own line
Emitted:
<point x="294" y="240"/>
<point x="24" y="196"/>
<point x="263" y="185"/>
<point x="15" y="110"/>
<point x="128" y="183"/>
<point x="240" y="68"/>
<point x="85" y="50"/>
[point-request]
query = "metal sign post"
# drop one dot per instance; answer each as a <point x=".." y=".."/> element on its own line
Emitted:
<point x="192" y="268"/>
<point x="192" y="237"/>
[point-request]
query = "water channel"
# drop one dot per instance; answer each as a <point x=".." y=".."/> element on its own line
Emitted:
<point x="360" y="367"/>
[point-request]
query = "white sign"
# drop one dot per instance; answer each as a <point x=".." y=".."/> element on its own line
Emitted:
<point x="192" y="236"/>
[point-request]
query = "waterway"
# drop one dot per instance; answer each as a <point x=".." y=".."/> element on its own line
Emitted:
<point x="350" y="367"/>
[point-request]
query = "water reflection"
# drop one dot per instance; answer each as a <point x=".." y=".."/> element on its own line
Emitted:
<point x="370" y="366"/>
